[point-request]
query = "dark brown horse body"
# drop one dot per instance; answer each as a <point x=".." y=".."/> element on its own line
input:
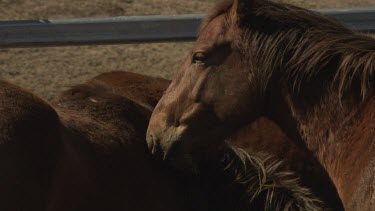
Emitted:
<point x="89" y="154"/>
<point x="304" y="71"/>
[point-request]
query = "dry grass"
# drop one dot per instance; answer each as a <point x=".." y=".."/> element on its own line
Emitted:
<point x="46" y="71"/>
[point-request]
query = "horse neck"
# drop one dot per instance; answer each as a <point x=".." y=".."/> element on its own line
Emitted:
<point x="332" y="114"/>
<point x="338" y="132"/>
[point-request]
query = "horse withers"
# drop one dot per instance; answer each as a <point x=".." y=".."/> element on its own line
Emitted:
<point x="305" y="71"/>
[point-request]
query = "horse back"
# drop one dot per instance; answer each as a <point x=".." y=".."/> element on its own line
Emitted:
<point x="139" y="88"/>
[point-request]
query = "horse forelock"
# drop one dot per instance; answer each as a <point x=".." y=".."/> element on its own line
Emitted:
<point x="301" y="44"/>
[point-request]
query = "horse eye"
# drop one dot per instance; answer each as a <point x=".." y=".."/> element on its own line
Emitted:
<point x="199" y="58"/>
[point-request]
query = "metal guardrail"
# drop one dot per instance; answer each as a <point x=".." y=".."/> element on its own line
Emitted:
<point x="135" y="29"/>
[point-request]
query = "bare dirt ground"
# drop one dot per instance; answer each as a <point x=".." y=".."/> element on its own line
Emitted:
<point x="46" y="71"/>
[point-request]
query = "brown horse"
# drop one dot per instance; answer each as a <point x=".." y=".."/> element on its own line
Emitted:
<point x="303" y="70"/>
<point x="88" y="152"/>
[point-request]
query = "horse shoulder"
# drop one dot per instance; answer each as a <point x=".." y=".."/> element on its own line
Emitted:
<point x="364" y="195"/>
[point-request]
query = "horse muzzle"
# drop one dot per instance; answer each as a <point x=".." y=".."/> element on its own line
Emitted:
<point x="165" y="144"/>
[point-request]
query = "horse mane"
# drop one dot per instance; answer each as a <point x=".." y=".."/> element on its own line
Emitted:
<point x="305" y="45"/>
<point x="254" y="182"/>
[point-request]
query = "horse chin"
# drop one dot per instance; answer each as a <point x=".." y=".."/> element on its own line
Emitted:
<point x="193" y="162"/>
<point x="174" y="158"/>
<point x="189" y="163"/>
<point x="182" y="163"/>
<point x="178" y="149"/>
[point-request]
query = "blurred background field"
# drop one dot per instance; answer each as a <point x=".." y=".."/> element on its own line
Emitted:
<point x="47" y="71"/>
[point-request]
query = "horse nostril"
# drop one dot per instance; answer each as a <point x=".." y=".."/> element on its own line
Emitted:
<point x="154" y="146"/>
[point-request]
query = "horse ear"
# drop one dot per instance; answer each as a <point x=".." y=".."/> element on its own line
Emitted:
<point x="242" y="7"/>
